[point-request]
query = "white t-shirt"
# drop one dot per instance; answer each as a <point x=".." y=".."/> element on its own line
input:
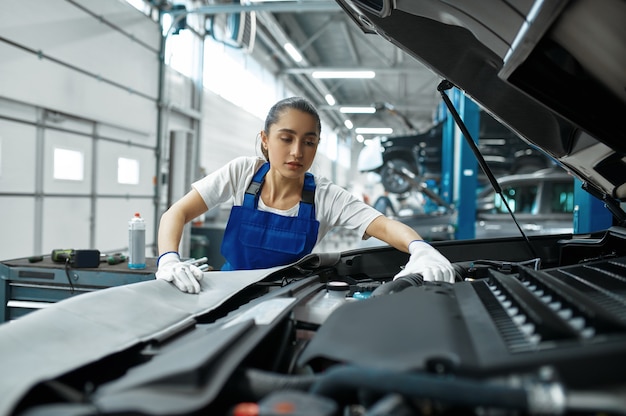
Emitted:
<point x="334" y="206"/>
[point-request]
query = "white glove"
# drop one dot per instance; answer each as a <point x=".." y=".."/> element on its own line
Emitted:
<point x="185" y="276"/>
<point x="428" y="262"/>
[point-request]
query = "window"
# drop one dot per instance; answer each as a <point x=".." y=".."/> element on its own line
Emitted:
<point x="127" y="171"/>
<point x="562" y="198"/>
<point x="520" y="198"/>
<point x="68" y="165"/>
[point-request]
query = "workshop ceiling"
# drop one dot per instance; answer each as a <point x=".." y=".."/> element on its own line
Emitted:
<point x="403" y="90"/>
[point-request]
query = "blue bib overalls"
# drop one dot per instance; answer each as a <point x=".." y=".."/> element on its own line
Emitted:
<point x="256" y="239"/>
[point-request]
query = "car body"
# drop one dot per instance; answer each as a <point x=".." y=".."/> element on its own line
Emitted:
<point x="421" y="208"/>
<point x="436" y="224"/>
<point x="432" y="226"/>
<point x="542" y="202"/>
<point x="532" y="326"/>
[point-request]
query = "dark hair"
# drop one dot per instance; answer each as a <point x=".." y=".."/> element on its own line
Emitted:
<point x="291" y="103"/>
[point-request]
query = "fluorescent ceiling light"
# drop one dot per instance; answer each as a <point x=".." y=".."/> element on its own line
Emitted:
<point x="293" y="52"/>
<point x="330" y="99"/>
<point x="343" y="74"/>
<point x="374" y="130"/>
<point x="358" y="110"/>
<point x="348" y="124"/>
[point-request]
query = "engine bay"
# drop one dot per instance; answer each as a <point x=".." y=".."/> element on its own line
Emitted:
<point x="336" y="335"/>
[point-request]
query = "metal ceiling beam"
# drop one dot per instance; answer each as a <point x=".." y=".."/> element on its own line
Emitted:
<point x="378" y="70"/>
<point x="351" y="44"/>
<point x="298" y="75"/>
<point x="312" y="38"/>
<point x="271" y="7"/>
<point x="281" y="37"/>
<point x="290" y="26"/>
<point x="304" y="87"/>
<point x="408" y="107"/>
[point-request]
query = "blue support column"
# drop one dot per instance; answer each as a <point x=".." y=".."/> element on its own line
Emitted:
<point x="590" y="214"/>
<point x="447" y="156"/>
<point x="466" y="169"/>
<point x="459" y="165"/>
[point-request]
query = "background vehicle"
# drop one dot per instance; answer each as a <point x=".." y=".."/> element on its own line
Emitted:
<point x="543" y="203"/>
<point x="433" y="218"/>
<point x="420" y="206"/>
<point x="503" y="150"/>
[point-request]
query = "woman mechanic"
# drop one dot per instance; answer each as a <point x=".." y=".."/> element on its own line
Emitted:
<point x="281" y="211"/>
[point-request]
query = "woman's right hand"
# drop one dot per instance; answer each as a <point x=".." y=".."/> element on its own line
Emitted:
<point x="184" y="276"/>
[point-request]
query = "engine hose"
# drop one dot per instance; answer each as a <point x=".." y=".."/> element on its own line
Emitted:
<point x="253" y="384"/>
<point x="341" y="382"/>
<point x="398" y="285"/>
<point x="391" y="404"/>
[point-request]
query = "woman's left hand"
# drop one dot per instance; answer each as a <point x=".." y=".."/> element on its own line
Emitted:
<point x="428" y="262"/>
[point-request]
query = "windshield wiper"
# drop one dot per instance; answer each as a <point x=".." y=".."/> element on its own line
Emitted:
<point x="446" y="85"/>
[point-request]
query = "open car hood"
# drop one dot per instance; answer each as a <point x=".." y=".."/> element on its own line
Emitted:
<point x="531" y="326"/>
<point x="553" y="72"/>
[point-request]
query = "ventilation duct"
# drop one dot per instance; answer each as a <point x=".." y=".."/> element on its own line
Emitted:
<point x="234" y="29"/>
<point x="242" y="27"/>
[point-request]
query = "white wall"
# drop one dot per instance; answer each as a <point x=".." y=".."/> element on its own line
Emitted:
<point x="86" y="78"/>
<point x="83" y="78"/>
<point x="227" y="132"/>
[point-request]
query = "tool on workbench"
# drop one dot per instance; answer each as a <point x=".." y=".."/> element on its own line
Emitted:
<point x="201" y="263"/>
<point x="197" y="262"/>
<point x="35" y="259"/>
<point x="116" y="258"/>
<point x="61" y="255"/>
<point x="77" y="258"/>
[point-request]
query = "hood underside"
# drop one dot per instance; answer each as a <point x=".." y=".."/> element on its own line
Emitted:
<point x="553" y="72"/>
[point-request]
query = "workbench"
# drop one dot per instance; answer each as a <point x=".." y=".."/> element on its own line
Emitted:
<point x="26" y="287"/>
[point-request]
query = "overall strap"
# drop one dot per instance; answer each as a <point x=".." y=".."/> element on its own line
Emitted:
<point x="252" y="193"/>
<point x="307" y="204"/>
